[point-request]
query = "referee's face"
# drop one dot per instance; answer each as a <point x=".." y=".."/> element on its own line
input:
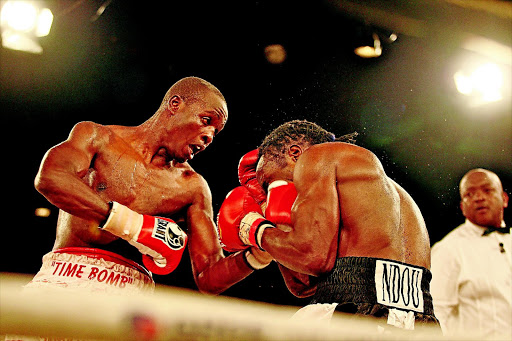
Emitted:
<point x="482" y="199"/>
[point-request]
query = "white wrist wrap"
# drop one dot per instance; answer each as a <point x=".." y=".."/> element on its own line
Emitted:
<point x="259" y="234"/>
<point x="123" y="222"/>
<point x="253" y="262"/>
<point x="251" y="229"/>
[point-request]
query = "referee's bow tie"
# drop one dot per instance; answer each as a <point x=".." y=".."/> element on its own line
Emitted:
<point x="497" y="229"/>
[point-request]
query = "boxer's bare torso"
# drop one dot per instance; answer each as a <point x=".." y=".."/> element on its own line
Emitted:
<point x="119" y="172"/>
<point x="111" y="163"/>
<point x="346" y="206"/>
<point x="145" y="169"/>
<point x="378" y="218"/>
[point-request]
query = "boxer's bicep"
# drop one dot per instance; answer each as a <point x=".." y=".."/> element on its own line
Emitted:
<point x="213" y="273"/>
<point x="59" y="177"/>
<point x="203" y="244"/>
<point x="72" y="156"/>
<point x="315" y="214"/>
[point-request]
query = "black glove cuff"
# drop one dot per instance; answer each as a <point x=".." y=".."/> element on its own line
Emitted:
<point x="104" y="221"/>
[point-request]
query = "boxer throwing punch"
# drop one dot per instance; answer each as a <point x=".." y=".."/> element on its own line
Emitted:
<point x="121" y="190"/>
<point x="339" y="228"/>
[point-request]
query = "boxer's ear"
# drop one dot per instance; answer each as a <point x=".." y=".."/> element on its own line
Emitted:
<point x="174" y="104"/>
<point x="294" y="152"/>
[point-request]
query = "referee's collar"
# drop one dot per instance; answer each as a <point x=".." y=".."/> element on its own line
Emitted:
<point x="477" y="229"/>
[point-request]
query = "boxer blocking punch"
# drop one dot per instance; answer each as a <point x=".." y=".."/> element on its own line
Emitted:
<point x="144" y="171"/>
<point x="238" y="204"/>
<point x="247" y="177"/>
<point x="356" y="241"/>
<point x="249" y="224"/>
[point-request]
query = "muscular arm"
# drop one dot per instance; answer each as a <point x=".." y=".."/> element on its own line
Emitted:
<point x="416" y="241"/>
<point x="213" y="273"/>
<point x="60" y="175"/>
<point x="310" y="247"/>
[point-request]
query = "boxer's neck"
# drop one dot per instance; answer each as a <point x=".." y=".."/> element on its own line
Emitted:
<point x="144" y="140"/>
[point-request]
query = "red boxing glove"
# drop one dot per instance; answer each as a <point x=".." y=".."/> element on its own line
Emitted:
<point x="160" y="240"/>
<point x="166" y="243"/>
<point x="247" y="176"/>
<point x="280" y="199"/>
<point x="239" y="221"/>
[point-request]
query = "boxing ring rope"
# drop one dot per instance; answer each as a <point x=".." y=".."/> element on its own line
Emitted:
<point x="172" y="314"/>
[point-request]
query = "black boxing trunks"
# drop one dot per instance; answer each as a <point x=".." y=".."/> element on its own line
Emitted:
<point x="92" y="270"/>
<point x="376" y="287"/>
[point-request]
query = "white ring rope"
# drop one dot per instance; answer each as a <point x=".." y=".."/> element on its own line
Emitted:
<point x="172" y="314"/>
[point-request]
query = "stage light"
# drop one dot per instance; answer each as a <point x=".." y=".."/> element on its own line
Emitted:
<point x="371" y="48"/>
<point x="42" y="212"/>
<point x="485" y="82"/>
<point x="275" y="53"/>
<point x="44" y="22"/>
<point x="22" y="22"/>
<point x="392" y="37"/>
<point x="19" y="16"/>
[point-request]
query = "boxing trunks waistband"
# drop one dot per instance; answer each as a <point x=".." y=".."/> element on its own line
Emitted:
<point x="376" y="282"/>
<point x="93" y="270"/>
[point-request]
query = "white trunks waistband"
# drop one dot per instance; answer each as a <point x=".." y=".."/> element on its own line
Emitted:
<point x="93" y="270"/>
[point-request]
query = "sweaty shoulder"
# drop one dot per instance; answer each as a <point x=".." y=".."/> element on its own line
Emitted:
<point x="91" y="133"/>
<point x="337" y="154"/>
<point x="196" y="183"/>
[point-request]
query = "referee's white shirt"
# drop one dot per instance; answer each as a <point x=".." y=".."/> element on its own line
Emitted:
<point x="472" y="281"/>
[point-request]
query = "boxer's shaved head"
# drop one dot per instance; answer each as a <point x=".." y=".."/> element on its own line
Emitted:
<point x="190" y="89"/>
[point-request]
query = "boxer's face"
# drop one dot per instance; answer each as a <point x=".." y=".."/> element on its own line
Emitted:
<point x="483" y="199"/>
<point x="269" y="170"/>
<point x="195" y="125"/>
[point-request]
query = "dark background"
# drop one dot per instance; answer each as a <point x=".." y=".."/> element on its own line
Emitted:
<point x="115" y="69"/>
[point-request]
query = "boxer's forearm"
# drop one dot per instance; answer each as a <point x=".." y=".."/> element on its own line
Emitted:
<point x="70" y="194"/>
<point x="213" y="272"/>
<point x="289" y="251"/>
<point x="224" y="273"/>
<point x="308" y="253"/>
<point x="309" y="244"/>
